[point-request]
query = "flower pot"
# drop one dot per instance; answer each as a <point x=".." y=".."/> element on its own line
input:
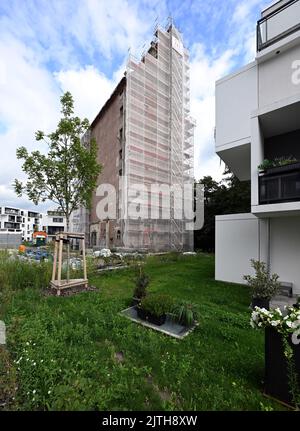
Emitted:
<point x="283" y="168"/>
<point x="276" y="377"/>
<point x="261" y="303"/>
<point x="149" y="317"/>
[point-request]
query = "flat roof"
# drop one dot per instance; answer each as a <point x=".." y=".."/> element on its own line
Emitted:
<point x="273" y="7"/>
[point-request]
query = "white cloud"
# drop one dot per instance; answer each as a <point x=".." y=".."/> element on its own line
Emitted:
<point x="204" y="72"/>
<point x="89" y="87"/>
<point x="28" y="102"/>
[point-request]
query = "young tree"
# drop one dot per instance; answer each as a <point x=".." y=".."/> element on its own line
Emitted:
<point x="68" y="174"/>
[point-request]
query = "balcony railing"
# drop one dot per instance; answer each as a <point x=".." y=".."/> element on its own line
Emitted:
<point x="278" y="24"/>
<point x="11" y="211"/>
<point x="281" y="185"/>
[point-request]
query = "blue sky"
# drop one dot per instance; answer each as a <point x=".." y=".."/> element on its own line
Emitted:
<point x="47" y="47"/>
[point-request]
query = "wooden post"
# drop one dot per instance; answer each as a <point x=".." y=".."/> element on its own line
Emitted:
<point x="84" y="261"/>
<point x="60" y="260"/>
<point x="54" y="261"/>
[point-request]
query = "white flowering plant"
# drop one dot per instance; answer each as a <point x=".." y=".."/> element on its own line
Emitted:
<point x="285" y="324"/>
<point x="288" y="325"/>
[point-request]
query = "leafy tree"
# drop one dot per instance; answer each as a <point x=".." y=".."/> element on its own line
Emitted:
<point x="67" y="175"/>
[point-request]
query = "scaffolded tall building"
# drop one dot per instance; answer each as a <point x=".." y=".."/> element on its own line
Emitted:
<point x="145" y="137"/>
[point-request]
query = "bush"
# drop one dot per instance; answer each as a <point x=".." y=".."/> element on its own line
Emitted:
<point x="141" y="284"/>
<point x="263" y="285"/>
<point x="185" y="313"/>
<point x="158" y="305"/>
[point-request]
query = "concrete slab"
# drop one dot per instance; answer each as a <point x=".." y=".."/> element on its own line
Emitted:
<point x="169" y="327"/>
<point x="2" y="333"/>
<point x="280" y="301"/>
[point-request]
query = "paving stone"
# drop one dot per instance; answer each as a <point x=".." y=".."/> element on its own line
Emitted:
<point x="2" y="333"/>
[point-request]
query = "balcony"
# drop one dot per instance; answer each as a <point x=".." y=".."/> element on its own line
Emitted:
<point x="278" y="24"/>
<point x="33" y="214"/>
<point x="12" y="211"/>
<point x="279" y="185"/>
<point x="8" y="225"/>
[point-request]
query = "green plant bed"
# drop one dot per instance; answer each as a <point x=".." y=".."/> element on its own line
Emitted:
<point x="155" y="307"/>
<point x="150" y="317"/>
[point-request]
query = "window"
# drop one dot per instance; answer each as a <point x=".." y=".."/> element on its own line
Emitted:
<point x="93" y="238"/>
<point x="58" y="220"/>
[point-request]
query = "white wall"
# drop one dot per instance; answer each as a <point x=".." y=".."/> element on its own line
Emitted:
<point x="241" y="237"/>
<point x="236" y="243"/>
<point x="285" y="249"/>
<point x="236" y="98"/>
<point x="275" y="77"/>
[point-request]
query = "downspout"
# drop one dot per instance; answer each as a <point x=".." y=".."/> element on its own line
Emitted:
<point x="269" y="245"/>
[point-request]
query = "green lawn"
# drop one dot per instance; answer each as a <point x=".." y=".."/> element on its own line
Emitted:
<point x="79" y="353"/>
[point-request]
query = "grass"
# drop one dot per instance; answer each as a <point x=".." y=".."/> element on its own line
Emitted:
<point x="79" y="353"/>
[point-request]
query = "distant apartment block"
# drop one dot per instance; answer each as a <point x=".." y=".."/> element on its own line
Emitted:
<point x="53" y="222"/>
<point x="145" y="136"/>
<point x="19" y="221"/>
<point x="257" y="119"/>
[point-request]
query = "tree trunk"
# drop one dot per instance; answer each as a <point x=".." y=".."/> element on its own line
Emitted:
<point x="68" y="251"/>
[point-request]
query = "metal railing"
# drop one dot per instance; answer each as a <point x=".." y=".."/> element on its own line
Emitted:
<point x="279" y="187"/>
<point x="278" y="24"/>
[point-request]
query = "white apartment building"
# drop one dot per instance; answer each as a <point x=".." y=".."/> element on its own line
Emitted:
<point x="53" y="222"/>
<point x="18" y="221"/>
<point x="258" y="118"/>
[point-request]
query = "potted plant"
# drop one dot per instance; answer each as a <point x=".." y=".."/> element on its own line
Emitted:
<point x="282" y="352"/>
<point x="278" y="164"/>
<point x="141" y="286"/>
<point x="185" y="313"/>
<point x="154" y="308"/>
<point x="266" y="164"/>
<point x="263" y="285"/>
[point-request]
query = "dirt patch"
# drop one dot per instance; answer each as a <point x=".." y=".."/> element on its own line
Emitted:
<point x="119" y="357"/>
<point x="70" y="291"/>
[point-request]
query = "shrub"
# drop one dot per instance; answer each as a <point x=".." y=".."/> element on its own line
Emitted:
<point x="141" y="284"/>
<point x="185" y="313"/>
<point x="156" y="304"/>
<point x="263" y="285"/>
<point x="20" y="274"/>
<point x="278" y="161"/>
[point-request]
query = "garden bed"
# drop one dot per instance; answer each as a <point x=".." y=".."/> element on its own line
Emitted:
<point x="169" y="327"/>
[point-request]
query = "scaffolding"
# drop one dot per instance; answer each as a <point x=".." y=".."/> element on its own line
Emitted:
<point x="159" y="147"/>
